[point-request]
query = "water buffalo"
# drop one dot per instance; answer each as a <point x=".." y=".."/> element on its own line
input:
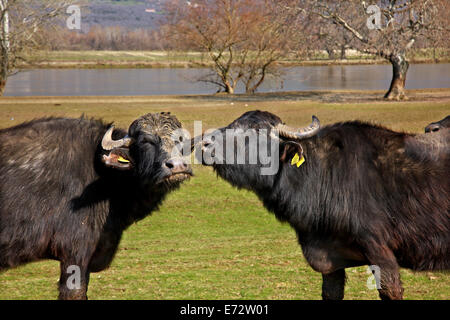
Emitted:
<point x="355" y="193"/>
<point x="436" y="126"/>
<point x="70" y="187"/>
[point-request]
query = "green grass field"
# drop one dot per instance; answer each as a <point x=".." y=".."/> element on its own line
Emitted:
<point x="209" y="240"/>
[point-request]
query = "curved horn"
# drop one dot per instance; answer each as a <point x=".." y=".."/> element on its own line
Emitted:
<point x="108" y="143"/>
<point x="299" y="134"/>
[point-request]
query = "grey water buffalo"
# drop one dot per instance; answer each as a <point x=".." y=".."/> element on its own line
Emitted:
<point x="436" y="126"/>
<point x="70" y="187"/>
<point x="355" y="193"/>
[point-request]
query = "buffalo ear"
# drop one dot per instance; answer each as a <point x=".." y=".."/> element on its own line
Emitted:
<point x="289" y="149"/>
<point x="118" y="159"/>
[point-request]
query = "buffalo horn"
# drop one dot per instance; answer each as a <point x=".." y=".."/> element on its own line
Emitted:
<point x="298" y="134"/>
<point x="108" y="143"/>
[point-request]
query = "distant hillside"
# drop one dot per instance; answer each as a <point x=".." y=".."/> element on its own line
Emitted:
<point x="132" y="14"/>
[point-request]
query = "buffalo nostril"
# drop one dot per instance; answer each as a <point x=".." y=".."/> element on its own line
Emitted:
<point x="169" y="164"/>
<point x="176" y="165"/>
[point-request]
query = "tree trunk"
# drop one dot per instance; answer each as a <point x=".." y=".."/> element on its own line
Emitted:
<point x="4" y="45"/>
<point x="229" y="88"/>
<point x="2" y="86"/>
<point x="400" y="67"/>
<point x="251" y="89"/>
<point x="343" y="52"/>
<point x="3" y="69"/>
<point x="331" y="54"/>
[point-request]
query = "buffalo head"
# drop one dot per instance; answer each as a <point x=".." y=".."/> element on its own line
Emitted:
<point x="150" y="150"/>
<point x="249" y="151"/>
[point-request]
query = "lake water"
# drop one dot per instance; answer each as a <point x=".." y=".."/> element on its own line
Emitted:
<point x="127" y="82"/>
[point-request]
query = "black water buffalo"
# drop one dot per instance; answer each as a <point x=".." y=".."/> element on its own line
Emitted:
<point x="70" y="187"/>
<point x="355" y="193"/>
<point x="436" y="126"/>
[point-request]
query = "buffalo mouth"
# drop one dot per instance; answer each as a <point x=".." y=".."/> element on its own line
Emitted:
<point x="118" y="159"/>
<point x="177" y="177"/>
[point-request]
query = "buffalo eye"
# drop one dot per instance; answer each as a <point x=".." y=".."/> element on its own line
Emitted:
<point x="149" y="139"/>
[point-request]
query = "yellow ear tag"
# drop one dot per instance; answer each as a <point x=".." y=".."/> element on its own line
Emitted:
<point x="122" y="160"/>
<point x="297" y="161"/>
<point x="301" y="161"/>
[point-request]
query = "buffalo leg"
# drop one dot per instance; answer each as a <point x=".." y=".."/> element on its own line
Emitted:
<point x="73" y="282"/>
<point x="333" y="285"/>
<point x="388" y="272"/>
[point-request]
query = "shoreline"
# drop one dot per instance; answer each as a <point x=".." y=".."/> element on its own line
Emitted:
<point x="193" y="65"/>
<point x="186" y="60"/>
<point x="323" y="96"/>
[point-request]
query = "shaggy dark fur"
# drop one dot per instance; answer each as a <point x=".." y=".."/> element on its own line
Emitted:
<point x="436" y="126"/>
<point x="366" y="195"/>
<point x="58" y="199"/>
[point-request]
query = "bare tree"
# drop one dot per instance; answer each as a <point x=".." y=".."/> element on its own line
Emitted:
<point x="21" y="22"/>
<point x="332" y="40"/>
<point x="385" y="28"/>
<point x="241" y="38"/>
